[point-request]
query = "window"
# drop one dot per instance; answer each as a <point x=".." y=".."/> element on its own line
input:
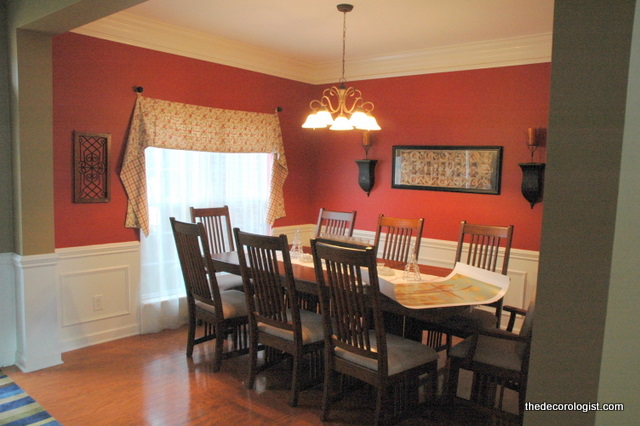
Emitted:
<point x="177" y="180"/>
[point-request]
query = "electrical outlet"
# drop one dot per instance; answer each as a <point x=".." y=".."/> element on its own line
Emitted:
<point x="97" y="302"/>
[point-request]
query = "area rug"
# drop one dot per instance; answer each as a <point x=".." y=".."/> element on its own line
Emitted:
<point x="18" y="408"/>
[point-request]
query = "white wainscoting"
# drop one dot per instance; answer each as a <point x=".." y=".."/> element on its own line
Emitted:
<point x="98" y="293"/>
<point x="98" y="288"/>
<point x="523" y="264"/>
<point x="38" y="343"/>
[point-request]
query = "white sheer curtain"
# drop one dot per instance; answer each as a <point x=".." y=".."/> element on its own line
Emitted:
<point x="177" y="180"/>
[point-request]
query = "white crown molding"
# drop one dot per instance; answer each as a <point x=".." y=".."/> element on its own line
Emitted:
<point x="133" y="30"/>
<point x="478" y="55"/>
<point x="147" y="33"/>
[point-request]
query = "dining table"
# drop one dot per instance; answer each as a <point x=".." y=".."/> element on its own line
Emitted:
<point x="415" y="320"/>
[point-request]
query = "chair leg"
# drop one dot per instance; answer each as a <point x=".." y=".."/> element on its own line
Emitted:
<point x="253" y="359"/>
<point x="434" y="380"/>
<point x="191" y="335"/>
<point x="329" y="377"/>
<point x="451" y="387"/>
<point x="380" y="392"/>
<point x="217" y="355"/>
<point x="296" y="372"/>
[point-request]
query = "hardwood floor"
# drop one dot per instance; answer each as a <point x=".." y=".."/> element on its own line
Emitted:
<point x="148" y="380"/>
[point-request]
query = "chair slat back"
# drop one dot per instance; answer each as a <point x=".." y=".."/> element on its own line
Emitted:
<point x="335" y="223"/>
<point x="482" y="245"/>
<point x="349" y="299"/>
<point x="195" y="260"/>
<point x="399" y="235"/>
<point x="217" y="223"/>
<point x="272" y="295"/>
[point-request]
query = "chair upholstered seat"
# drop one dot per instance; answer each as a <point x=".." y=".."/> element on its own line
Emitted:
<point x="403" y="354"/>
<point x="233" y="304"/>
<point x="311" y="325"/>
<point x="500" y="353"/>
<point x="470" y="321"/>
<point x="228" y="281"/>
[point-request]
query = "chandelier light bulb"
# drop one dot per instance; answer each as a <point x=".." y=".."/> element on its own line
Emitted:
<point x="341" y="123"/>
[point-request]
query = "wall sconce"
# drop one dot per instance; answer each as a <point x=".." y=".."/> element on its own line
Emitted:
<point x="366" y="167"/>
<point x="533" y="173"/>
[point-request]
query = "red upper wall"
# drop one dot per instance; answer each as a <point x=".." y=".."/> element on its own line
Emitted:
<point x="93" y="84"/>
<point x="480" y="107"/>
<point x="93" y="92"/>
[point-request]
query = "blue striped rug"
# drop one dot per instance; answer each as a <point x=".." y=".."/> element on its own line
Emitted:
<point x="18" y="408"/>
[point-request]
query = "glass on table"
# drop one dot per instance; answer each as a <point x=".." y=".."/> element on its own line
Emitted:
<point x="412" y="270"/>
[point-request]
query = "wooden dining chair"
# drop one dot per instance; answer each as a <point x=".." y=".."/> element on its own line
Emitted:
<point x="223" y="314"/>
<point x="499" y="359"/>
<point x="335" y="223"/>
<point x="398" y="236"/>
<point x="356" y="343"/>
<point x="217" y="224"/>
<point x="487" y="247"/>
<point x="276" y="320"/>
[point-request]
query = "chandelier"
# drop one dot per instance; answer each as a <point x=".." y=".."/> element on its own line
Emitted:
<point x="345" y="103"/>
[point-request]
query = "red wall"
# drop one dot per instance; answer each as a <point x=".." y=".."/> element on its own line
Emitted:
<point x="480" y="107"/>
<point x="93" y="92"/>
<point x="93" y="84"/>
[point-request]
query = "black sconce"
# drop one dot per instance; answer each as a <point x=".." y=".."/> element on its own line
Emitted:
<point x="366" y="167"/>
<point x="533" y="173"/>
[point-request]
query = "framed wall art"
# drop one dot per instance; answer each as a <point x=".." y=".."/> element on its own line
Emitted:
<point x="475" y="169"/>
<point x="91" y="167"/>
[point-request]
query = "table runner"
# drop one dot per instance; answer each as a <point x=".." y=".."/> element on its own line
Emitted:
<point x="466" y="285"/>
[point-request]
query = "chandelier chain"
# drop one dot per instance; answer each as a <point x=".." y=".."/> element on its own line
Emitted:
<point x="344" y="43"/>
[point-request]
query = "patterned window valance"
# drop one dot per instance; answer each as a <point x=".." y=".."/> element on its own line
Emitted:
<point x="173" y="125"/>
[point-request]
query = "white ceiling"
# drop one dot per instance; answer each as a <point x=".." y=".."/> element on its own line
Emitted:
<point x="302" y="39"/>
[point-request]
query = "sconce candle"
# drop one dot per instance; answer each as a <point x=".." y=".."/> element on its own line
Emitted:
<point x="533" y="173"/>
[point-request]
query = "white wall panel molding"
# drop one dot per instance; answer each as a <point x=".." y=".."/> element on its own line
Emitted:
<point x="37" y="334"/>
<point x="83" y="298"/>
<point x="150" y="34"/>
<point x="98" y="288"/>
<point x="68" y="253"/>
